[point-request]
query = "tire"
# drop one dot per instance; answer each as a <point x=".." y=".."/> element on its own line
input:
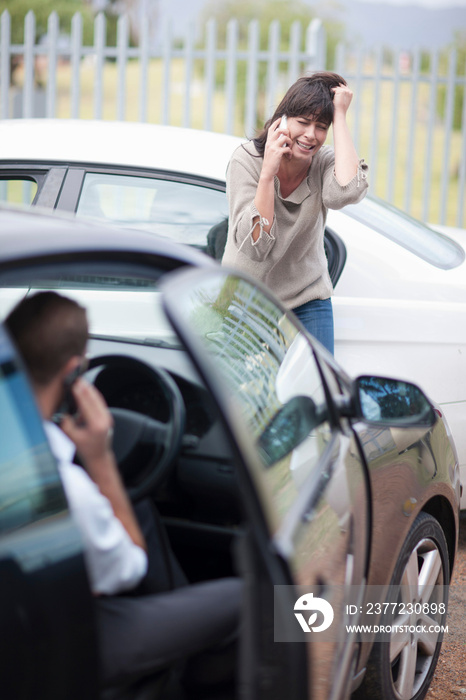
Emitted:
<point x="401" y="666"/>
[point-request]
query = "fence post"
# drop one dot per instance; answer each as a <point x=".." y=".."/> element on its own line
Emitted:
<point x="295" y="46"/>
<point x="462" y="169"/>
<point x="53" y="26"/>
<point x="411" y="147"/>
<point x="167" y="57"/>
<point x="272" y="68"/>
<point x="189" y="61"/>
<point x="448" y="129"/>
<point x="231" y="75"/>
<point x="316" y="46"/>
<point x="144" y="55"/>
<point x="251" y="78"/>
<point x="5" y="72"/>
<point x="28" y="87"/>
<point x="122" y="57"/>
<point x="375" y="116"/>
<point x="434" y="66"/>
<point x="210" y="72"/>
<point x="100" y="24"/>
<point x="76" y="45"/>
<point x="394" y="128"/>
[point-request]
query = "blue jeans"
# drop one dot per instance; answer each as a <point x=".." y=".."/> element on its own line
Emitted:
<point x="317" y="318"/>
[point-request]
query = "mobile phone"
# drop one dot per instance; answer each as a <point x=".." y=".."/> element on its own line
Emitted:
<point x="68" y="404"/>
<point x="283" y="125"/>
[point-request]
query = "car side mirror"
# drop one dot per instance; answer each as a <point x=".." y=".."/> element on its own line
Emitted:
<point x="289" y="427"/>
<point x="392" y="403"/>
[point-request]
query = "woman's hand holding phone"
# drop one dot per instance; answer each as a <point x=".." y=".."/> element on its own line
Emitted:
<point x="283" y="127"/>
<point x="277" y="146"/>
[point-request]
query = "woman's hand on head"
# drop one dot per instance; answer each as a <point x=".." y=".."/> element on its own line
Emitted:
<point x="277" y="146"/>
<point x="342" y="98"/>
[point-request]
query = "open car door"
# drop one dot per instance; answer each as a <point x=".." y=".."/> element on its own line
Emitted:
<point x="302" y="484"/>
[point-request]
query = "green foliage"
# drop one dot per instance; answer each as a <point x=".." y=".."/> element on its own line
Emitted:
<point x="42" y="9"/>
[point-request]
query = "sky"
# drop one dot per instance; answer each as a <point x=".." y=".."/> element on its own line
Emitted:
<point x="428" y="4"/>
<point x="427" y="24"/>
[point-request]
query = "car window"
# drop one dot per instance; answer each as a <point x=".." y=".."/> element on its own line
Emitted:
<point x="271" y="375"/>
<point x="30" y="488"/>
<point x="432" y="246"/>
<point x="180" y="211"/>
<point x="121" y="305"/>
<point x="17" y="190"/>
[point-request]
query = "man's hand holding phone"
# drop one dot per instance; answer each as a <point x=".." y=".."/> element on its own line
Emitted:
<point x="68" y="405"/>
<point x="91" y="429"/>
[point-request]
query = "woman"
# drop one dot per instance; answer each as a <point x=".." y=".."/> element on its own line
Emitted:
<point x="279" y="187"/>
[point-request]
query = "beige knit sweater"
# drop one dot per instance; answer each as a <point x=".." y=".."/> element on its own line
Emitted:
<point x="291" y="259"/>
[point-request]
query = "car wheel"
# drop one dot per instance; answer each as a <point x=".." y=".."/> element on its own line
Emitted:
<point x="403" y="661"/>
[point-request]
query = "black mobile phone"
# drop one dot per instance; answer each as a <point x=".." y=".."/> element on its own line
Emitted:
<point x="68" y="405"/>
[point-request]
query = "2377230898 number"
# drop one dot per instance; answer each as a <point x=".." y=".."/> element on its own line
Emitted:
<point x="398" y="608"/>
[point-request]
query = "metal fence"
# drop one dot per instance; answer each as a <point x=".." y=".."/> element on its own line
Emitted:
<point x="408" y="115"/>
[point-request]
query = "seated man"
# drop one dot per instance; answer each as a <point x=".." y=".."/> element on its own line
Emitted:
<point x="138" y="634"/>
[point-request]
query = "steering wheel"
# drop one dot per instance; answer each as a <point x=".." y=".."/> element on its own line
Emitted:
<point x="141" y="444"/>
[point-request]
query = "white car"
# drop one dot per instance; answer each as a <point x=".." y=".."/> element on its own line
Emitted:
<point x="400" y="286"/>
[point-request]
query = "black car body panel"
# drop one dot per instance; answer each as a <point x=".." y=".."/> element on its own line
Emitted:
<point x="48" y="645"/>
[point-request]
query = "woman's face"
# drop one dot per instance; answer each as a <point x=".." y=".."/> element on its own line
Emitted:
<point x="307" y="135"/>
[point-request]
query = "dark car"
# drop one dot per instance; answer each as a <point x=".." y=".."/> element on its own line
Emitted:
<point x="335" y="500"/>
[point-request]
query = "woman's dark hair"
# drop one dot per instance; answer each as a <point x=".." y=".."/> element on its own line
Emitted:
<point x="309" y="95"/>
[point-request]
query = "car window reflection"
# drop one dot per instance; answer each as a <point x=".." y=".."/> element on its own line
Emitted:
<point x="270" y="374"/>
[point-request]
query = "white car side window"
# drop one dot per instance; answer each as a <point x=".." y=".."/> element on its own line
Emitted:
<point x="181" y="211"/>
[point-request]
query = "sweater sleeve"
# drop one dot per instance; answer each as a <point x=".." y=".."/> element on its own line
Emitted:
<point x="336" y="196"/>
<point x="241" y="191"/>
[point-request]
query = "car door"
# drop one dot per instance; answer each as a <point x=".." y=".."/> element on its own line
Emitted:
<point x="47" y="645"/>
<point x="304" y="476"/>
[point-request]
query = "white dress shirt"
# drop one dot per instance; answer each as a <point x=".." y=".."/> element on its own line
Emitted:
<point x="114" y="562"/>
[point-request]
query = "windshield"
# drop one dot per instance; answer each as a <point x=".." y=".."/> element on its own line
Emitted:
<point x="432" y="246"/>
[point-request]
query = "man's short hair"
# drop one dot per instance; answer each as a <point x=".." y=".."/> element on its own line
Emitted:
<point x="48" y="329"/>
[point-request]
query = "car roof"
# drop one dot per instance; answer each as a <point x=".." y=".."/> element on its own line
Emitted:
<point x="30" y="233"/>
<point x="201" y="153"/>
